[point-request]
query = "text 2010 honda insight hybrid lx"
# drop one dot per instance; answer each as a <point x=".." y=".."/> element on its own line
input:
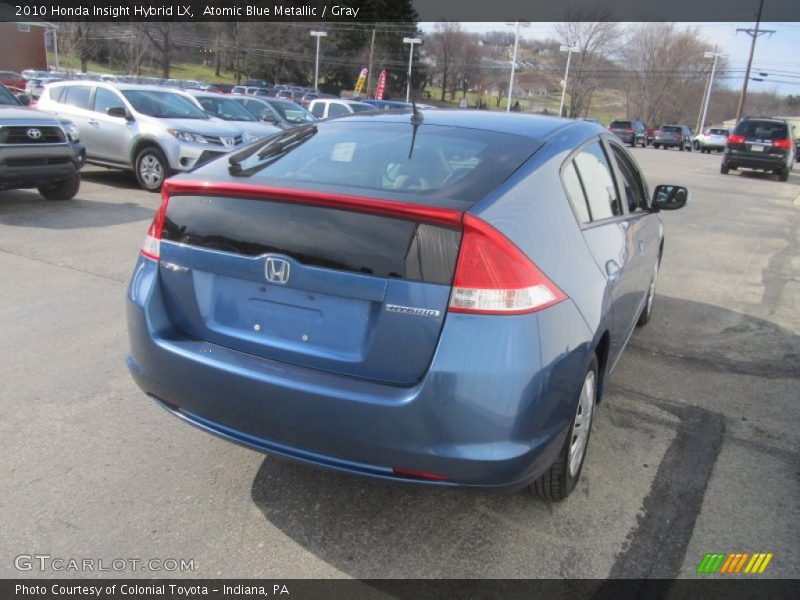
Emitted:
<point x="428" y="297"/>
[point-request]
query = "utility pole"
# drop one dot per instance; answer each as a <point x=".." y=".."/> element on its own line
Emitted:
<point x="753" y="33"/>
<point x="369" y="68"/>
<point x="715" y="56"/>
<point x="569" y="50"/>
<point x="513" y="67"/>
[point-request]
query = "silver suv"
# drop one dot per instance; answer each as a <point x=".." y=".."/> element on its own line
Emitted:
<point x="149" y="130"/>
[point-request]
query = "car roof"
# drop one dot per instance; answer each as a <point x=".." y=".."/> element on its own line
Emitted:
<point x="536" y="127"/>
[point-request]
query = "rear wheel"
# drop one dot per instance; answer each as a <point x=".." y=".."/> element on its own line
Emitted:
<point x="696" y="145"/>
<point x="656" y="146"/>
<point x="152" y="168"/>
<point x="647" y="310"/>
<point x="560" y="479"/>
<point x="724" y="168"/>
<point x="64" y="189"/>
<point x="783" y="174"/>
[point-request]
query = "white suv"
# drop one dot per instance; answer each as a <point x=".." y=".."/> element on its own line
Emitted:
<point x="152" y="131"/>
<point x="323" y="108"/>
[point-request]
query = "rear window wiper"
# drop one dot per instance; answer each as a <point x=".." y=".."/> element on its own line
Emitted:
<point x="272" y="147"/>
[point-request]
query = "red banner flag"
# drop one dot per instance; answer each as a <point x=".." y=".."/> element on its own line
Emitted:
<point x="381" y="86"/>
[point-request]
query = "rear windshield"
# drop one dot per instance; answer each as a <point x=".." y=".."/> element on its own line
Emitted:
<point x="387" y="160"/>
<point x="672" y="128"/>
<point x="718" y="132"/>
<point x="362" y="107"/>
<point x="762" y="130"/>
<point x="620" y="124"/>
<point x="293" y="113"/>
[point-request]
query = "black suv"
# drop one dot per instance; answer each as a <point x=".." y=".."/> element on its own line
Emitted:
<point x="760" y="143"/>
<point x="630" y="132"/>
<point x="673" y="136"/>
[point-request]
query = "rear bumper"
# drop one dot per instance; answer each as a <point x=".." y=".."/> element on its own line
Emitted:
<point x="486" y="415"/>
<point x="749" y="161"/>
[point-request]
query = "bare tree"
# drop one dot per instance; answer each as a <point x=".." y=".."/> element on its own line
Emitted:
<point x="82" y="41"/>
<point x="445" y="44"/>
<point x="596" y="39"/>
<point x="134" y="49"/>
<point x="161" y="36"/>
<point x="665" y="72"/>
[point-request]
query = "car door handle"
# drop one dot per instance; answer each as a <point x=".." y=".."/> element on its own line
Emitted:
<point x="641" y="248"/>
<point x="613" y="271"/>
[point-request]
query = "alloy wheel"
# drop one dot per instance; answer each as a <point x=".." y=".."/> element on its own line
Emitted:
<point x="582" y="423"/>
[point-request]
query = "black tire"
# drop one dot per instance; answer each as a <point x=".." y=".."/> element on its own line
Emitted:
<point x="647" y="309"/>
<point x="723" y="168"/>
<point x="696" y="145"/>
<point x="63" y="189"/>
<point x="783" y="174"/>
<point x="557" y="482"/>
<point x="656" y="146"/>
<point x="151" y="168"/>
<point x="689" y="148"/>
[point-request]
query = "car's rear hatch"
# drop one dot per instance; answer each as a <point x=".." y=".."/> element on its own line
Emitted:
<point x="351" y="284"/>
<point x="768" y="140"/>
<point x="670" y="133"/>
<point x="621" y="128"/>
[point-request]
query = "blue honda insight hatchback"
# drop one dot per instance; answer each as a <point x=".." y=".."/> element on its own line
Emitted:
<point x="431" y="297"/>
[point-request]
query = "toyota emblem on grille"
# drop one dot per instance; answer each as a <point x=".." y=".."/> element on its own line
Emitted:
<point x="34" y="133"/>
<point x="278" y="270"/>
<point x="228" y="142"/>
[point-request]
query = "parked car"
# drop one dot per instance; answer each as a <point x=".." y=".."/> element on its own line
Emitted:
<point x="225" y="107"/>
<point x="324" y="108"/>
<point x="281" y="113"/>
<point x="762" y="144"/>
<point x="673" y="136"/>
<point x="220" y="88"/>
<point x="12" y="80"/>
<point x="152" y="131"/>
<point x="713" y="138"/>
<point x="378" y="295"/>
<point x="389" y="104"/>
<point x="38" y="150"/>
<point x="35" y="87"/>
<point x="631" y="132"/>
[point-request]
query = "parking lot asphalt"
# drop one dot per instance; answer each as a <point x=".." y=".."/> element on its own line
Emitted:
<point x="695" y="449"/>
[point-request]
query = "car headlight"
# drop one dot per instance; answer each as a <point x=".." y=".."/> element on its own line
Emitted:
<point x="188" y="136"/>
<point x="249" y="138"/>
<point x="72" y="131"/>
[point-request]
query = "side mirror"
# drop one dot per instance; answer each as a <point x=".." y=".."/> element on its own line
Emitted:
<point x="24" y="99"/>
<point x="268" y="118"/>
<point x="670" y="197"/>
<point x="118" y="111"/>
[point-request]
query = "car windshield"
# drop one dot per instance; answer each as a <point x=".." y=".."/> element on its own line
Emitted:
<point x="7" y="98"/>
<point x="225" y="109"/>
<point x="436" y="161"/>
<point x="293" y="112"/>
<point x="163" y="105"/>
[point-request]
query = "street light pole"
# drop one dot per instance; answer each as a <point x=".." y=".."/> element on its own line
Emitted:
<point x="715" y="55"/>
<point x="317" y="34"/>
<point x="513" y="67"/>
<point x="411" y="41"/>
<point x="569" y="50"/>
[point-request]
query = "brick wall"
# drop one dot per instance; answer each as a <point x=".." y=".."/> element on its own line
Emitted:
<point x="22" y="50"/>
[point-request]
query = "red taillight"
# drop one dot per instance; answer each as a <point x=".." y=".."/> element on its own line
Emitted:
<point x="403" y="472"/>
<point x="629" y="129"/>
<point x="657" y="132"/>
<point x="494" y="277"/>
<point x="785" y="144"/>
<point x="736" y="139"/>
<point x="151" y="248"/>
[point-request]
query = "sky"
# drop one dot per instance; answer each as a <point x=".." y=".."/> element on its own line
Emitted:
<point x="778" y="55"/>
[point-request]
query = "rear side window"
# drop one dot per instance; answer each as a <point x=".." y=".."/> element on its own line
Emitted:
<point x="78" y="96"/>
<point x="390" y="159"/>
<point x="57" y="93"/>
<point x="598" y="183"/>
<point x="631" y="180"/>
<point x="762" y="130"/>
<point x="572" y="183"/>
<point x="672" y="129"/>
